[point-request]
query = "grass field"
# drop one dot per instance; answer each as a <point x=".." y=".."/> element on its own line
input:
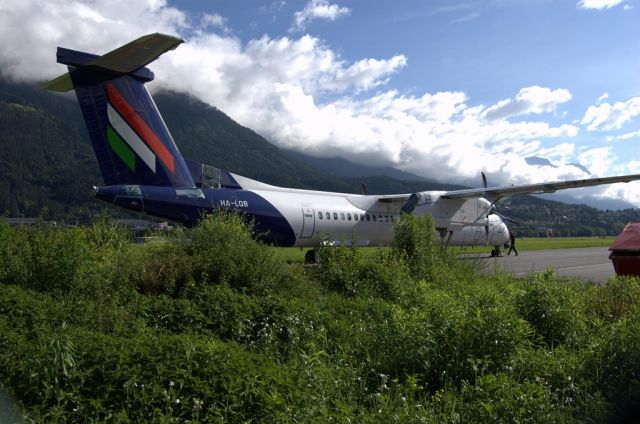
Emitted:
<point x="296" y="254"/>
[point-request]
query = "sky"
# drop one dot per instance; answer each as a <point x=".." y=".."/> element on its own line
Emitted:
<point x="444" y="89"/>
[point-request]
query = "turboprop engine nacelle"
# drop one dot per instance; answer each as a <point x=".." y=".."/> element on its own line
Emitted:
<point x="453" y="214"/>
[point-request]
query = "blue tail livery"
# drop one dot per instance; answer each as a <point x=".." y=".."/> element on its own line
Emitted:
<point x="144" y="171"/>
<point x="131" y="141"/>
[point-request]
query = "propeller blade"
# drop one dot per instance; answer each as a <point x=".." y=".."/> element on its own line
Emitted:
<point x="484" y="179"/>
<point x="506" y="218"/>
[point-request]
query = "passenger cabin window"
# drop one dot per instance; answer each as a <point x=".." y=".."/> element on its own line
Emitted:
<point x="374" y="218"/>
<point x="361" y="217"/>
<point x="386" y="218"/>
<point x="342" y="216"/>
<point x="368" y="218"/>
<point x="327" y="215"/>
<point x="355" y="216"/>
<point x="335" y="216"/>
<point x="380" y="218"/>
<point x="319" y="215"/>
<point x="348" y="217"/>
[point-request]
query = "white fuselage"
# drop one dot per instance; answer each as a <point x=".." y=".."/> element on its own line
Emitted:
<point x="325" y="217"/>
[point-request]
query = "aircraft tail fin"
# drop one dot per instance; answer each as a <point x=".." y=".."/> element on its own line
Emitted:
<point x="130" y="139"/>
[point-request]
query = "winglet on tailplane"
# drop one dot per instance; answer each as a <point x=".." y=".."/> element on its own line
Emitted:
<point x="131" y="141"/>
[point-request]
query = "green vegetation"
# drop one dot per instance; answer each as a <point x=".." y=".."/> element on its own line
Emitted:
<point x="296" y="254"/>
<point x="211" y="326"/>
<point x="544" y="243"/>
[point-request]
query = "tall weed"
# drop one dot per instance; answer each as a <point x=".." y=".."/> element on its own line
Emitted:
<point x="415" y="243"/>
<point x="351" y="273"/>
<point x="224" y="252"/>
<point x="554" y="309"/>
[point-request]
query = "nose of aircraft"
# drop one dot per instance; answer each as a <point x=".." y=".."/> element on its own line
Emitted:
<point x="500" y="231"/>
<point x="504" y="232"/>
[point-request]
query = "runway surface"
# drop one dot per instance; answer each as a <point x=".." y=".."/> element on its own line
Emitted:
<point x="589" y="263"/>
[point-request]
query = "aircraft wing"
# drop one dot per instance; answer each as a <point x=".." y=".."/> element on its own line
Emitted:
<point x="492" y="193"/>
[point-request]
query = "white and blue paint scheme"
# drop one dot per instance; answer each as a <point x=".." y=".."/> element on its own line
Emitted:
<point x="144" y="171"/>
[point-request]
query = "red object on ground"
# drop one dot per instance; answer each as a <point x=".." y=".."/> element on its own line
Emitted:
<point x="625" y="251"/>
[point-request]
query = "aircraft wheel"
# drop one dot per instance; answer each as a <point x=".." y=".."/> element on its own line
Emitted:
<point x="311" y="257"/>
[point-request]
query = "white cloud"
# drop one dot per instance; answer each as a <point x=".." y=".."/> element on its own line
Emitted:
<point x="633" y="166"/>
<point x="301" y="94"/>
<point x="533" y="99"/>
<point x="602" y="98"/>
<point x="213" y="20"/>
<point x="37" y="27"/>
<point x="317" y="9"/>
<point x="625" y="136"/>
<point x="466" y="18"/>
<point x="607" y="116"/>
<point x="561" y="153"/>
<point x="599" y="4"/>
<point x="598" y="160"/>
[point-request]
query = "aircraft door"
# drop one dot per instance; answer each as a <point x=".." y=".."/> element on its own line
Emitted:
<point x="308" y="222"/>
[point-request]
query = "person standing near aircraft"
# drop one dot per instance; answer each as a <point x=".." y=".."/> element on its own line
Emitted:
<point x="512" y="244"/>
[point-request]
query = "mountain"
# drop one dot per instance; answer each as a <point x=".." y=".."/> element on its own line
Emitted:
<point x="340" y="166"/>
<point x="47" y="165"/>
<point x="542" y="162"/>
<point x="538" y="161"/>
<point x="595" y="202"/>
<point x="541" y="217"/>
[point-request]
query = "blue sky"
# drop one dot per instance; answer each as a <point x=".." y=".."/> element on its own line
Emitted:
<point x="444" y="89"/>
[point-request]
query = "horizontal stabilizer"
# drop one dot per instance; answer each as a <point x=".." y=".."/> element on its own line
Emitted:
<point x="61" y="84"/>
<point x="121" y="61"/>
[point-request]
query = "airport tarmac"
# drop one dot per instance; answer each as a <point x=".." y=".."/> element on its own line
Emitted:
<point x="588" y="263"/>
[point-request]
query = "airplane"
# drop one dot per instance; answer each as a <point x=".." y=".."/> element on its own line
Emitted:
<point x="144" y="171"/>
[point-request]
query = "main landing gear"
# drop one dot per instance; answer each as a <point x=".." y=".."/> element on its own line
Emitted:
<point x="495" y="253"/>
<point x="311" y="257"/>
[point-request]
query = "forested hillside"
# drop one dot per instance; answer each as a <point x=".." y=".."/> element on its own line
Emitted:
<point x="47" y="165"/>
